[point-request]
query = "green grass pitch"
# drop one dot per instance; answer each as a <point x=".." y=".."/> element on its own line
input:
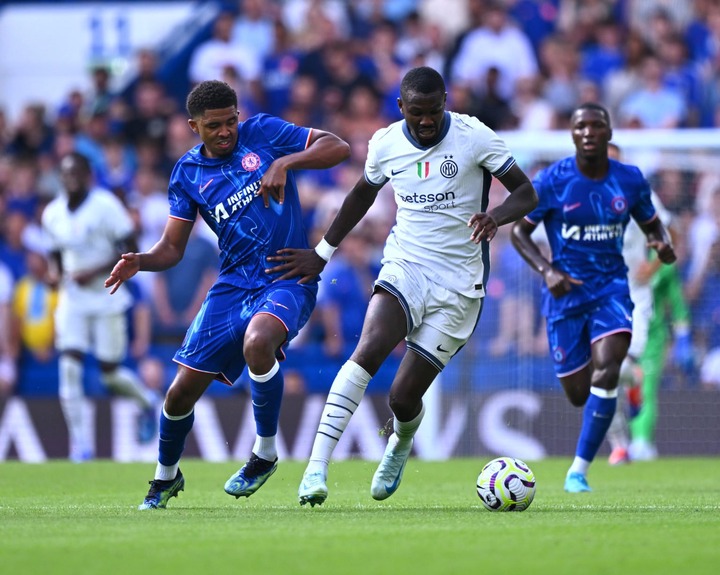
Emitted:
<point x="644" y="518"/>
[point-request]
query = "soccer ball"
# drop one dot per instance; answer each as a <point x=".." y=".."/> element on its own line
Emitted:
<point x="506" y="484"/>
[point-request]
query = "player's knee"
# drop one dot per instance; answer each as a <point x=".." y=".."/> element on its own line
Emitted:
<point x="577" y="399"/>
<point x="177" y="401"/>
<point x="606" y="376"/>
<point x="404" y="408"/>
<point x="259" y="350"/>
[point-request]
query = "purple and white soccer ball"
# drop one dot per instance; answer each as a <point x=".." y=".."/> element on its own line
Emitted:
<point x="506" y="484"/>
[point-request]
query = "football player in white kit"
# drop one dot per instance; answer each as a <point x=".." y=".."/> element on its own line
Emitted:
<point x="87" y="228"/>
<point x="434" y="268"/>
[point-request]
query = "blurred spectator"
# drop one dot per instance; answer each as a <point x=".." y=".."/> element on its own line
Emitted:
<point x="361" y="115"/>
<point x="561" y="86"/>
<point x="147" y="200"/>
<point x="497" y="43"/>
<point x="98" y="99"/>
<point x="12" y="247"/>
<point x="180" y="138"/>
<point x="698" y="34"/>
<point x="622" y="82"/>
<point x="514" y="289"/>
<point x="117" y="166"/>
<point x="579" y="18"/>
<point x="653" y="105"/>
<point x="387" y="66"/>
<point x="33" y="309"/>
<point x="69" y="112"/>
<point x="393" y="10"/>
<point x="8" y="369"/>
<point x="418" y="39"/>
<point x="336" y="71"/>
<point x="489" y="107"/>
<point x="305" y="17"/>
<point x="178" y="293"/>
<point x="21" y="193"/>
<point x="681" y="75"/>
<point x="533" y="112"/>
<point x="32" y="135"/>
<point x="658" y="18"/>
<point x="279" y="70"/>
<point x="211" y="59"/>
<point x="537" y="18"/>
<point x="253" y="28"/>
<point x="605" y="54"/>
<point x="150" y="112"/>
<point x="146" y="68"/>
<point x="344" y="294"/>
<point x="5" y="134"/>
<point x="95" y="129"/>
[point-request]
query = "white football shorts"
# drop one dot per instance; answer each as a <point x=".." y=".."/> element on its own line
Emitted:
<point x="440" y="321"/>
<point x="103" y="336"/>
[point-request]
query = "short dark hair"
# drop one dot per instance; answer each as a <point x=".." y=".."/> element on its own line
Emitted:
<point x="210" y="95"/>
<point x="80" y="159"/>
<point x="422" y="80"/>
<point x="598" y="108"/>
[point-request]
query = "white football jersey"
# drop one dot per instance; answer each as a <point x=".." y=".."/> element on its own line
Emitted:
<point x="87" y="238"/>
<point x="635" y="252"/>
<point x="437" y="190"/>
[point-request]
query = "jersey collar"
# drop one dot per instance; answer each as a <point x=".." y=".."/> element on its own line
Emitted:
<point x="443" y="133"/>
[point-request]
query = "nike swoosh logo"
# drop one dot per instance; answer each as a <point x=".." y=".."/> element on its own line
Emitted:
<point x="600" y="415"/>
<point x="394" y="485"/>
<point x="259" y="405"/>
<point x="202" y="188"/>
<point x="396" y="172"/>
<point x="333" y="416"/>
<point x="571" y="207"/>
<point x="439" y="348"/>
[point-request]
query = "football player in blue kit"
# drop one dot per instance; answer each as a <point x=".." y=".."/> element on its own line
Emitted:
<point x="586" y="202"/>
<point x="240" y="180"/>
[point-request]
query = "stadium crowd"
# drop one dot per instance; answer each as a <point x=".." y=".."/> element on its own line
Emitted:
<point x="336" y="65"/>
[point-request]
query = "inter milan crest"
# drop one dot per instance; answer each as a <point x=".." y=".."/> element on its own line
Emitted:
<point x="251" y="162"/>
<point x="448" y="169"/>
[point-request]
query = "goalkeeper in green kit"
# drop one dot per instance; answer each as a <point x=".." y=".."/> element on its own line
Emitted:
<point x="670" y="310"/>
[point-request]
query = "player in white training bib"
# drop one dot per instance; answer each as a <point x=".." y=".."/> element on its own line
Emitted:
<point x="87" y="228"/>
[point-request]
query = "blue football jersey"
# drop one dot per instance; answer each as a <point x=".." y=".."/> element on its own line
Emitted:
<point x="223" y="191"/>
<point x="585" y="223"/>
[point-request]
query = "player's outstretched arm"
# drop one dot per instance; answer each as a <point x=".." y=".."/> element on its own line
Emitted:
<point x="307" y="264"/>
<point x="163" y="255"/>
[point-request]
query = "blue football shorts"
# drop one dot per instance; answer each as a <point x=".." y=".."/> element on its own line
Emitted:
<point x="214" y="340"/>
<point x="572" y="335"/>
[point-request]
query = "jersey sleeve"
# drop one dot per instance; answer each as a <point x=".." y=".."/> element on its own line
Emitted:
<point x="643" y="211"/>
<point x="543" y="191"/>
<point x="285" y="137"/>
<point x="373" y="170"/>
<point x="182" y="206"/>
<point x="491" y="151"/>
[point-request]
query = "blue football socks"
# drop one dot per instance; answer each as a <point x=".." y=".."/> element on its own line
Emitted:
<point x="597" y="415"/>
<point x="266" y="392"/>
<point x="173" y="431"/>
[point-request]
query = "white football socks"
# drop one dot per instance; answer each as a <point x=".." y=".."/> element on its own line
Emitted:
<point x="343" y="399"/>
